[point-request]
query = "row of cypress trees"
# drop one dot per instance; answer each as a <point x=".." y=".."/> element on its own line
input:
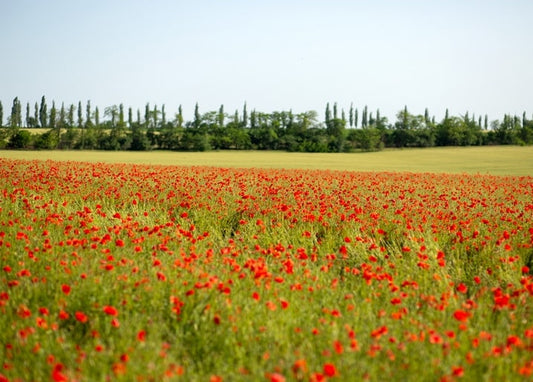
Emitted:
<point x="84" y="127"/>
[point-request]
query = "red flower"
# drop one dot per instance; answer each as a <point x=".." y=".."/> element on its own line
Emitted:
<point x="379" y="332"/>
<point x="57" y="375"/>
<point x="110" y="310"/>
<point x="81" y="317"/>
<point x="461" y="315"/>
<point x="457" y="371"/>
<point x="462" y="288"/>
<point x="330" y="370"/>
<point x="337" y="345"/>
<point x="66" y="289"/>
<point x="63" y="315"/>
<point x="276" y="377"/>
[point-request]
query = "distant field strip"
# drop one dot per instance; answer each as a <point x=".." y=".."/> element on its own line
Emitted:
<point x="497" y="160"/>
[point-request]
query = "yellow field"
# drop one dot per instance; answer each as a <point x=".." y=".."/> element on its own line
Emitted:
<point x="498" y="160"/>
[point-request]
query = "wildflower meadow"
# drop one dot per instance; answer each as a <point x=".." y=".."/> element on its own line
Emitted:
<point x="133" y="272"/>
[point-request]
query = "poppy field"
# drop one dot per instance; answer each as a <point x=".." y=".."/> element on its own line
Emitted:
<point x="151" y="273"/>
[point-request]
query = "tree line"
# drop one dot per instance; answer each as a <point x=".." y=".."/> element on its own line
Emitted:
<point x="85" y="127"/>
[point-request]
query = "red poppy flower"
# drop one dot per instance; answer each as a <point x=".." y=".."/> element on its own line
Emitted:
<point x="330" y="370"/>
<point x="81" y="317"/>
<point x="461" y="315"/>
<point x="110" y="310"/>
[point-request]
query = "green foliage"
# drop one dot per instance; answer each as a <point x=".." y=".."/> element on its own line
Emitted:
<point x="278" y="130"/>
<point x="139" y="141"/>
<point x="46" y="141"/>
<point x="20" y="139"/>
<point x="15" y="120"/>
<point x="43" y="114"/>
<point x="366" y="139"/>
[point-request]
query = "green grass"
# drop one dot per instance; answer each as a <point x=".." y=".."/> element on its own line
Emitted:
<point x="496" y="160"/>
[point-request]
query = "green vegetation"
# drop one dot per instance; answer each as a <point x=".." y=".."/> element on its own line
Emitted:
<point x="250" y="130"/>
<point x="128" y="272"/>
<point x="497" y="160"/>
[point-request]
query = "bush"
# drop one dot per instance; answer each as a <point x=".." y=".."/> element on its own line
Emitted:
<point x="20" y="140"/>
<point x="46" y="141"/>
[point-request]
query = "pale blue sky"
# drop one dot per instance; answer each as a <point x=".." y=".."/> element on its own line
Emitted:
<point x="474" y="56"/>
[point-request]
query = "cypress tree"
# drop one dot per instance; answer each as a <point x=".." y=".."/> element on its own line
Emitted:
<point x="88" y="120"/>
<point x="16" y="113"/>
<point x="335" y="116"/>
<point x="61" y="122"/>
<point x="96" y="116"/>
<point x="70" y="117"/>
<point x="43" y="113"/>
<point x="52" y="123"/>
<point x="426" y="116"/>
<point x="446" y="115"/>
<point x="35" y="114"/>
<point x="121" y="115"/>
<point x="19" y="114"/>
<point x="244" y="116"/>
<point x="155" y="114"/>
<point x="328" y="115"/>
<point x="138" y="117"/>
<point x="180" y="117"/>
<point x="356" y="118"/>
<point x="62" y="115"/>
<point x="80" y="115"/>
<point x="163" y="116"/>
<point x="253" y="119"/>
<point x="196" y="116"/>
<point x="1" y="114"/>
<point x="27" y="114"/>
<point x="147" y="115"/>
<point x="364" y="122"/>
<point x="220" y="117"/>
<point x="405" y="118"/>
<point x="350" y="115"/>
<point x="130" y="117"/>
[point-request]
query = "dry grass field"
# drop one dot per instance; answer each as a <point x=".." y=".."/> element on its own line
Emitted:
<point x="495" y="160"/>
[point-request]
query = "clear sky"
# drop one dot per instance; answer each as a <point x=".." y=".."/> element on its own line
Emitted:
<point x="474" y="55"/>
